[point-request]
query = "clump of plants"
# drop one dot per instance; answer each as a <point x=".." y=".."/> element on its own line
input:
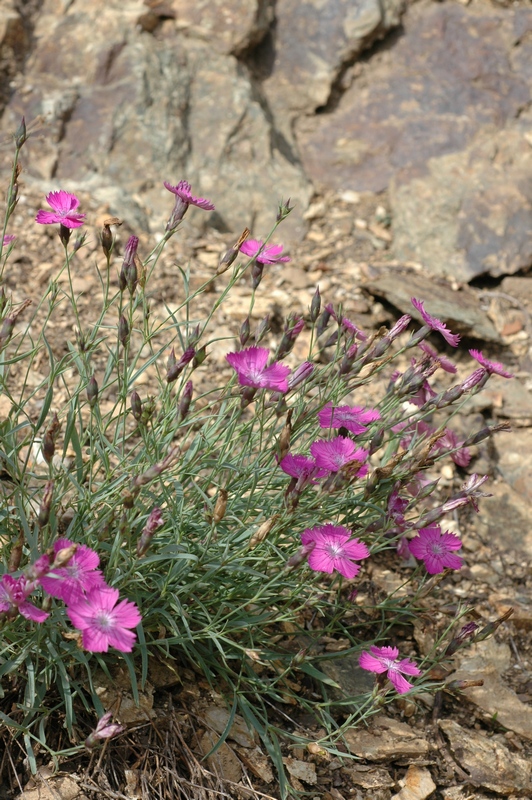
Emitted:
<point x="203" y="520"/>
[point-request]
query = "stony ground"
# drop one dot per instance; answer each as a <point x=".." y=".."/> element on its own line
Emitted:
<point x="475" y="744"/>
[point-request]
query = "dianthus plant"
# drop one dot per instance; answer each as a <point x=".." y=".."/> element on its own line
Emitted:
<point x="218" y="502"/>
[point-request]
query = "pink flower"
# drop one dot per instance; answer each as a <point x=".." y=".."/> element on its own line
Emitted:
<point x="64" y="205"/>
<point x="460" y="456"/>
<point x="184" y="199"/>
<point x="250" y="366"/>
<point x="103" y="730"/>
<point x="267" y="254"/>
<point x="301" y="467"/>
<point x="334" y="550"/>
<point x="384" y="659"/>
<point x="436" y="549"/>
<point x="354" y="418"/>
<point x="445" y="363"/>
<point x="8" y="238"/>
<point x="182" y="191"/>
<point x="79" y="576"/>
<point x="492" y="367"/>
<point x="436" y="324"/>
<point x="13" y="598"/>
<point x="104" y="623"/>
<point x="336" y="453"/>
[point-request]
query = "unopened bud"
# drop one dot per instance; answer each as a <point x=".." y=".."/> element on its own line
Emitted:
<point x="323" y="321"/>
<point x="9" y="322"/>
<point x="244" y="332"/>
<point x="46" y="504"/>
<point x="103" y="730"/>
<point x="284" y="210"/>
<point x="301" y="555"/>
<point x="299" y="375"/>
<point x="262" y="329"/>
<point x="136" y="405"/>
<point x="174" y="368"/>
<point x="92" y="391"/>
<point x="315" y="305"/>
<point x="457" y="686"/>
<point x="184" y="402"/>
<point x="220" y="506"/>
<point x="153" y="523"/>
<point x="123" y="331"/>
<point x="465" y="633"/>
<point x="21" y="134"/>
<point x="64" y="234"/>
<point x="199" y="357"/>
<point x="256" y="274"/>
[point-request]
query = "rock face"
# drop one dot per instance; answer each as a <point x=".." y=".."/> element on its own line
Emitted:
<point x="129" y="107"/>
<point x="255" y="101"/>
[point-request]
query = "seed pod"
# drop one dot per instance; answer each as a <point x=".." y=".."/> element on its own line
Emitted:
<point x="46" y="505"/>
<point x="49" y="439"/>
<point x="262" y="532"/>
<point x="286" y="433"/>
<point x="220" y="507"/>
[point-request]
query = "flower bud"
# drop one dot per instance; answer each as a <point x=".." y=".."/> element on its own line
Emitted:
<point x="9" y="322"/>
<point x="299" y="375"/>
<point x="256" y="274"/>
<point x="184" y="402"/>
<point x="323" y="321"/>
<point x="199" y="357"/>
<point x="315" y="305"/>
<point x="103" y="730"/>
<point x="92" y="391"/>
<point x="46" y="504"/>
<point x="174" y="368"/>
<point x="62" y="558"/>
<point x="136" y="405"/>
<point x="123" y="330"/>
<point x="21" y="134"/>
<point x="244" y="332"/>
<point x="230" y="255"/>
<point x="262" y="329"/>
<point x="64" y="234"/>
<point x="467" y="632"/>
<point x="301" y="555"/>
<point x="153" y="523"/>
<point x="490" y="629"/>
<point x="286" y="433"/>
<point x="284" y="210"/>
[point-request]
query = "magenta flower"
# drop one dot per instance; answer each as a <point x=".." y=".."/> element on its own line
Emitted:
<point x="8" y="238"/>
<point x="460" y="456"/>
<point x="267" y="254"/>
<point x="104" y="623"/>
<point x="302" y="468"/>
<point x="384" y="659"/>
<point x="492" y="367"/>
<point x="182" y="191"/>
<point x="79" y="576"/>
<point x="436" y="324"/>
<point x="64" y="205"/>
<point x="183" y="199"/>
<point x="436" y="549"/>
<point x="14" y="598"/>
<point x="354" y="418"/>
<point x="103" y="730"/>
<point x="334" y="550"/>
<point x="445" y="363"/>
<point x="250" y="366"/>
<point x="336" y="453"/>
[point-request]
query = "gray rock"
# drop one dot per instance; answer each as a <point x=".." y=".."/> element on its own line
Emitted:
<point x="448" y="74"/>
<point x="459" y="309"/>
<point x="469" y="213"/>
<point x="515" y="462"/>
<point x="132" y="109"/>
<point x="487" y="762"/>
<point x="313" y="41"/>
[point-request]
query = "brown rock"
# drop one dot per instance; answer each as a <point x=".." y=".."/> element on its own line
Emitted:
<point x="231" y="26"/>
<point x="468" y="213"/>
<point x="386" y="739"/>
<point x="487" y="762"/>
<point x="505" y="519"/>
<point x="223" y="762"/>
<point x="416" y="785"/>
<point x="459" y="309"/>
<point x="515" y="462"/>
<point x="446" y="77"/>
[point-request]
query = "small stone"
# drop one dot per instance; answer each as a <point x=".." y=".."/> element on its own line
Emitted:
<point x="416" y="785"/>
<point x="387" y="738"/>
